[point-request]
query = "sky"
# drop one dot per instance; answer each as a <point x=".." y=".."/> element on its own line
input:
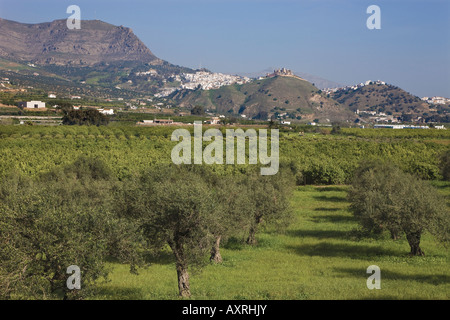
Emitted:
<point x="326" y="38"/>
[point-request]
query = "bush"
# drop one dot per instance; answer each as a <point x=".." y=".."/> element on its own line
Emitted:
<point x="324" y="172"/>
<point x="85" y="117"/>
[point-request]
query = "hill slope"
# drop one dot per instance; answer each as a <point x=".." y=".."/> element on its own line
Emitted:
<point x="381" y="98"/>
<point x="267" y="97"/>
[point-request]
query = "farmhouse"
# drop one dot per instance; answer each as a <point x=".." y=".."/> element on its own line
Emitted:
<point x="213" y="120"/>
<point x="32" y="105"/>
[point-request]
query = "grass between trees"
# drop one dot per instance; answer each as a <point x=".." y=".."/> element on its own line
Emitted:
<point x="321" y="255"/>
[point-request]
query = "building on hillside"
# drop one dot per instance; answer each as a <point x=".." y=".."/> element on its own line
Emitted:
<point x="398" y="126"/>
<point x="213" y="120"/>
<point x="106" y="111"/>
<point x="280" y="72"/>
<point x="32" y="105"/>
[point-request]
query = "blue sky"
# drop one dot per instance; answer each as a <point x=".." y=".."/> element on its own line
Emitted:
<point x="327" y="38"/>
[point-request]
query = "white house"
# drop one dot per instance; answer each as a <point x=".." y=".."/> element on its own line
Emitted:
<point x="213" y="120"/>
<point x="52" y="96"/>
<point x="106" y="111"/>
<point x="33" y="104"/>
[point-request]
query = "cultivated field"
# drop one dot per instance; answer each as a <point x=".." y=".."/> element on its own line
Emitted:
<point x="321" y="255"/>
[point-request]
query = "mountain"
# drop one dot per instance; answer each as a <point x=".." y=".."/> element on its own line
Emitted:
<point x="53" y="43"/>
<point x="99" y="57"/>
<point x="260" y="99"/>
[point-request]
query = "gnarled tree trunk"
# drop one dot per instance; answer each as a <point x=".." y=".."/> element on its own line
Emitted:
<point x="216" y="257"/>
<point x="181" y="265"/>
<point x="414" y="242"/>
<point x="183" y="281"/>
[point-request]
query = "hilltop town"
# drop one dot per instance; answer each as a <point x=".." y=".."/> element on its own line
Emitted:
<point x="203" y="80"/>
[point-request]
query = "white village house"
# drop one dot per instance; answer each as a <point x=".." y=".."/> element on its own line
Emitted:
<point x="32" y="105"/>
<point x="106" y="111"/>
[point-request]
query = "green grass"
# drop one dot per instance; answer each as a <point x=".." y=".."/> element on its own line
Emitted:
<point x="318" y="257"/>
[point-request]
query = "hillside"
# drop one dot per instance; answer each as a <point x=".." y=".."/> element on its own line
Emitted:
<point x="383" y="98"/>
<point x="319" y="82"/>
<point x="260" y="99"/>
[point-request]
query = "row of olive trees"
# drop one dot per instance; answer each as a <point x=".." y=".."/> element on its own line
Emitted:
<point x="82" y="215"/>
<point x="192" y="210"/>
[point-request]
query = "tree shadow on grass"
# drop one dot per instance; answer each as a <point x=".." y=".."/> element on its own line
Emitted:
<point x="332" y="188"/>
<point x="120" y="293"/>
<point x="335" y="218"/>
<point x="331" y="199"/>
<point x="319" y="234"/>
<point x="327" y="209"/>
<point x="233" y="243"/>
<point x="434" y="279"/>
<point x="325" y="249"/>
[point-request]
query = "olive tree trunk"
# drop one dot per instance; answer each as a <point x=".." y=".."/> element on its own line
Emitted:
<point x="216" y="257"/>
<point x="183" y="281"/>
<point x="182" y="270"/>
<point x="251" y="240"/>
<point x="414" y="242"/>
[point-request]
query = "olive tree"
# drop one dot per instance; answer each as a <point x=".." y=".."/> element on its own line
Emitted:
<point x="55" y="221"/>
<point x="174" y="206"/>
<point x="232" y="216"/>
<point x="383" y="197"/>
<point x="267" y="200"/>
<point x="445" y="165"/>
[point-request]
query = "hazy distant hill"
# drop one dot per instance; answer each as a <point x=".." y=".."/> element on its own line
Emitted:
<point x="263" y="98"/>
